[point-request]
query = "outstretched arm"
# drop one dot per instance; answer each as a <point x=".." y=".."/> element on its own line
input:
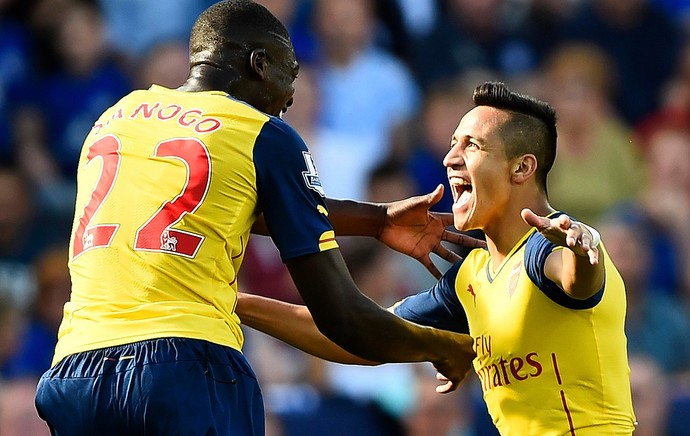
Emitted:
<point x="406" y="226"/>
<point x="575" y="269"/>
<point x="292" y="324"/>
<point x="359" y="325"/>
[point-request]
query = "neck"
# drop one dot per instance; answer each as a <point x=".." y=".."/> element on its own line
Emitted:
<point x="205" y="77"/>
<point x="507" y="229"/>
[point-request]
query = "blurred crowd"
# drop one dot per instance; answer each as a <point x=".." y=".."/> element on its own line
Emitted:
<point x="381" y="88"/>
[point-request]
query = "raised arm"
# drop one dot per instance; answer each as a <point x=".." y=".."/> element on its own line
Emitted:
<point x="575" y="269"/>
<point x="294" y="325"/>
<point x="407" y="226"/>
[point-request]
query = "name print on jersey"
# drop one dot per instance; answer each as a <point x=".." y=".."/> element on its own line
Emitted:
<point x="191" y="118"/>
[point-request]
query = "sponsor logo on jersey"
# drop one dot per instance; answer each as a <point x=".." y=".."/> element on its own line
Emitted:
<point x="470" y="289"/>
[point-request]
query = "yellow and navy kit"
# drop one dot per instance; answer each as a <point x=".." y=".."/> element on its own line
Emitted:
<point x="169" y="185"/>
<point x="548" y="364"/>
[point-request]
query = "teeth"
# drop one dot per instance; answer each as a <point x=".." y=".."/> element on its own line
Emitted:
<point x="459" y="182"/>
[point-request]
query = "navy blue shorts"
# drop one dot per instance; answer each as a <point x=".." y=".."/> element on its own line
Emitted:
<point x="168" y="386"/>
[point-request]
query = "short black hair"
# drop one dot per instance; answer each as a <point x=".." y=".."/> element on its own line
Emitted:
<point x="232" y="26"/>
<point x="531" y="128"/>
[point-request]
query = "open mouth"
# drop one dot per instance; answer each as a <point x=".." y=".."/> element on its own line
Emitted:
<point x="462" y="190"/>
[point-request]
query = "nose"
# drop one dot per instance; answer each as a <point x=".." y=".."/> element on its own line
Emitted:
<point x="453" y="159"/>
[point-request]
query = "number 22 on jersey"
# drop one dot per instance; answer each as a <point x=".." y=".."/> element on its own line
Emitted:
<point x="156" y="233"/>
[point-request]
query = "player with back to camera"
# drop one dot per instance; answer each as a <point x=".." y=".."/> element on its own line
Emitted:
<point x="543" y="302"/>
<point x="170" y="184"/>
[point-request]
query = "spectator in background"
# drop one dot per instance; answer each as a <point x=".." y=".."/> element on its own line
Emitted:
<point x="656" y="325"/>
<point x="11" y="328"/>
<point x="473" y="34"/>
<point x="365" y="95"/>
<point x="542" y="22"/>
<point x="134" y="27"/>
<point x="650" y="393"/>
<point x="674" y="108"/>
<point x="643" y="43"/>
<point x="54" y="122"/>
<point x="14" y="66"/>
<point x="666" y="200"/>
<point x="598" y="165"/>
<point x="166" y="64"/>
<point x="23" y="235"/>
<point x="38" y="340"/>
<point x="419" y="16"/>
<point x="296" y="14"/>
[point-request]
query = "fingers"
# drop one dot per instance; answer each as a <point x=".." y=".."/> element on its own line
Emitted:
<point x="572" y="235"/>
<point x="435" y="196"/>
<point x="426" y="261"/>
<point x="593" y="254"/>
<point x="447" y="386"/>
<point x="563" y="222"/>
<point x="535" y="220"/>
<point x="462" y="240"/>
<point x="446" y="254"/>
<point x="576" y="235"/>
<point x="446" y="218"/>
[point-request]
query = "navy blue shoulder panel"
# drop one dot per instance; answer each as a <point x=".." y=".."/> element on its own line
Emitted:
<point x="537" y="250"/>
<point x="437" y="307"/>
<point x="289" y="190"/>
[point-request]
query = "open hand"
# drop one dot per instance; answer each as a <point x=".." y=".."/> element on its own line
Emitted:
<point x="412" y="229"/>
<point x="565" y="232"/>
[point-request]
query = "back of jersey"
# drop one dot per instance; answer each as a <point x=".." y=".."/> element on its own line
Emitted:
<point x="166" y="199"/>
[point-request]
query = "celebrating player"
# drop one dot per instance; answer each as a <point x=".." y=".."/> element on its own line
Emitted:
<point x="543" y="303"/>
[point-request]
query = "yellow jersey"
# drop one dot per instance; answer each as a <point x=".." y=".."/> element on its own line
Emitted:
<point x="169" y="185"/>
<point x="548" y="364"/>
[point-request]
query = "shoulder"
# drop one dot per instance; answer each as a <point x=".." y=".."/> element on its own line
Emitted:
<point x="277" y="130"/>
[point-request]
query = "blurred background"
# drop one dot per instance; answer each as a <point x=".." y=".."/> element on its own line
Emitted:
<point x="382" y="86"/>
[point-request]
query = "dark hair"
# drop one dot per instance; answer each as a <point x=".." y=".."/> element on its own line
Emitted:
<point x="531" y="128"/>
<point x="230" y="27"/>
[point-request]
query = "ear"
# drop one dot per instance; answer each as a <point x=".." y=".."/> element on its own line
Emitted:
<point x="523" y="168"/>
<point x="258" y="62"/>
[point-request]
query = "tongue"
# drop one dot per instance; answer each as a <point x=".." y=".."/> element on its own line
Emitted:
<point x="464" y="197"/>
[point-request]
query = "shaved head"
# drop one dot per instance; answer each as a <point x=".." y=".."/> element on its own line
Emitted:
<point x="227" y="30"/>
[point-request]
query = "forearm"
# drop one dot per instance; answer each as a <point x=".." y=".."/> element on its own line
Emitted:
<point x="388" y="338"/>
<point x="354" y="218"/>
<point x="355" y="322"/>
<point x="292" y="324"/>
<point x="349" y="218"/>
<point x="580" y="279"/>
